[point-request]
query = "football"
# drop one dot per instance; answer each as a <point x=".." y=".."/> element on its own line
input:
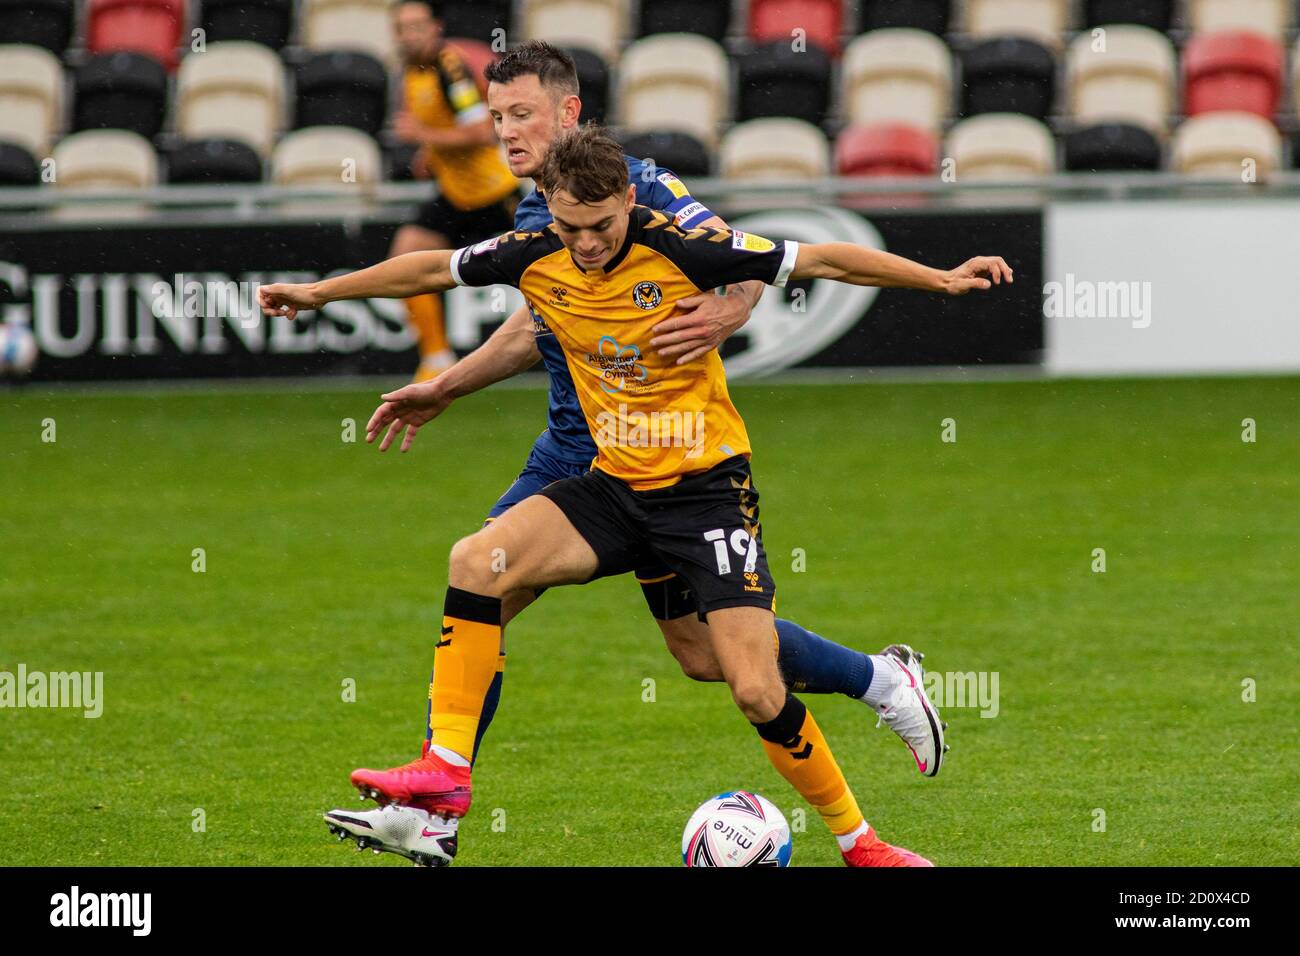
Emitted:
<point x="736" y="828"/>
<point x="17" y="349"/>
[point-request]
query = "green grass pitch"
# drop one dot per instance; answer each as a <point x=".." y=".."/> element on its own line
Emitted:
<point x="1119" y="692"/>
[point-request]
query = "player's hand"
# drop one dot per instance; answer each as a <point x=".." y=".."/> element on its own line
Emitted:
<point x="406" y="410"/>
<point x="982" y="272"/>
<point x="420" y="164"/>
<point x="705" y="322"/>
<point x="407" y="128"/>
<point x="287" y="298"/>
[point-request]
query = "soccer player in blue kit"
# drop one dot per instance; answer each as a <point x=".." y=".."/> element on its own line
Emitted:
<point x="533" y="98"/>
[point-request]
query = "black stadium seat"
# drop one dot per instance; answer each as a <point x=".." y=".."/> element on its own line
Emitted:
<point x="1156" y="14"/>
<point x="777" y="81"/>
<point x="476" y="19"/>
<point x="593" y="83"/>
<point x="680" y="152"/>
<point x="342" y="88"/>
<point x="205" y="161"/>
<point x="398" y="160"/>
<point x="45" y="23"/>
<point x="929" y="15"/>
<point x="1008" y="75"/>
<point x="261" y="21"/>
<point x="711" y="18"/>
<point x="17" y="166"/>
<point x="1111" y="147"/>
<point x="120" y="90"/>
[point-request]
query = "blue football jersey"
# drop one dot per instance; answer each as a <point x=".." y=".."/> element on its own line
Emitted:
<point x="567" y="434"/>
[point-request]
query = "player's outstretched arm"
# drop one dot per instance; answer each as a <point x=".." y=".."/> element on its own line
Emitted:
<point x="859" y="265"/>
<point x="398" y="278"/>
<point x="511" y="349"/>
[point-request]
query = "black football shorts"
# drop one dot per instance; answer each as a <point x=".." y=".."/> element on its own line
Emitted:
<point x="704" y="529"/>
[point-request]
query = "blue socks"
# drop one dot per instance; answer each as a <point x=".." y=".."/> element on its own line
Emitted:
<point x="814" y="665"/>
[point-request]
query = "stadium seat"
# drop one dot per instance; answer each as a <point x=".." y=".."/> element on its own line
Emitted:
<point x="397" y="161"/>
<point x="1131" y="81"/>
<point x="208" y="161"/>
<point x="886" y="149"/>
<point x="674" y="81"/>
<point x="1223" y="145"/>
<point x="774" y="149"/>
<point x="1232" y="71"/>
<point x="1008" y="75"/>
<point x="822" y="22"/>
<point x="145" y="26"/>
<point x="1041" y="20"/>
<point x="897" y="75"/>
<point x="1270" y="17"/>
<point x="477" y="56"/>
<point x="1001" y="146"/>
<point x="364" y="26"/>
<point x="43" y="23"/>
<point x="1153" y="14"/>
<point x="325" y="156"/>
<point x="233" y="91"/>
<point x="593" y="81"/>
<point x="598" y="25"/>
<point x="1111" y="147"/>
<point x="259" y="21"/>
<point x="341" y="88"/>
<point x="682" y="153"/>
<point x="105" y="159"/>
<point x="31" y="96"/>
<point x="475" y="19"/>
<point x="18" y="167"/>
<point x="121" y="90"/>
<point x="710" y="18"/>
<point x="777" y="81"/>
<point x="929" y="15"/>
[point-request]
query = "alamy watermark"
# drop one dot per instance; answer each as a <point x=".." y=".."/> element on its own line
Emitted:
<point x="1084" y="299"/>
<point x="964" y="689"/>
<point x="79" y="690"/>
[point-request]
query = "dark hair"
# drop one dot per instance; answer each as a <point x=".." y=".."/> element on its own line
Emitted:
<point x="587" y="163"/>
<point x="551" y="65"/>
<point x="434" y="6"/>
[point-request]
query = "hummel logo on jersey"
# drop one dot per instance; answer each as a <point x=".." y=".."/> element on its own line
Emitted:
<point x="558" y="294"/>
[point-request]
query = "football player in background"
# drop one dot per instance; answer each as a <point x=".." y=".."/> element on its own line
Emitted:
<point x="444" y="116"/>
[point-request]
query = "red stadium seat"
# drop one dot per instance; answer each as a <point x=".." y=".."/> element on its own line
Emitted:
<point x="145" y="26"/>
<point x="821" y="20"/>
<point x="1232" y="71"/>
<point x="886" y="149"/>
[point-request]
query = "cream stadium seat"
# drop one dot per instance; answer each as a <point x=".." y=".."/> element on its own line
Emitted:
<point x="775" y="149"/>
<point x="1130" y="80"/>
<point x="105" y="159"/>
<point x="362" y="25"/>
<point x="1041" y="20"/>
<point x="1225" y="145"/>
<point x="31" y="96"/>
<point x="1001" y="146"/>
<point x="598" y="25"/>
<point x="674" y="81"/>
<point x="233" y="91"/>
<point x="1270" y="17"/>
<point x="325" y="156"/>
<point x="897" y="76"/>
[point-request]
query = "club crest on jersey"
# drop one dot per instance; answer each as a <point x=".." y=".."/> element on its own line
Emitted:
<point x="647" y="295"/>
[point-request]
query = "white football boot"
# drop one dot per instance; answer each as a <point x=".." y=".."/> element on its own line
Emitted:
<point x="906" y="709"/>
<point x="424" y="838"/>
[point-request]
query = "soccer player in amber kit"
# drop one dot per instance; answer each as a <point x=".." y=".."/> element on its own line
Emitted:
<point x="692" y="505"/>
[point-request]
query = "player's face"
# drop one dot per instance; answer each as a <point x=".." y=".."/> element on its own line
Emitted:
<point x="528" y="117"/>
<point x="592" y="232"/>
<point x="418" y="33"/>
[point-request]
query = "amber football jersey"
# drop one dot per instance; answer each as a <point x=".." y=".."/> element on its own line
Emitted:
<point x="652" y="420"/>
<point x="445" y="95"/>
